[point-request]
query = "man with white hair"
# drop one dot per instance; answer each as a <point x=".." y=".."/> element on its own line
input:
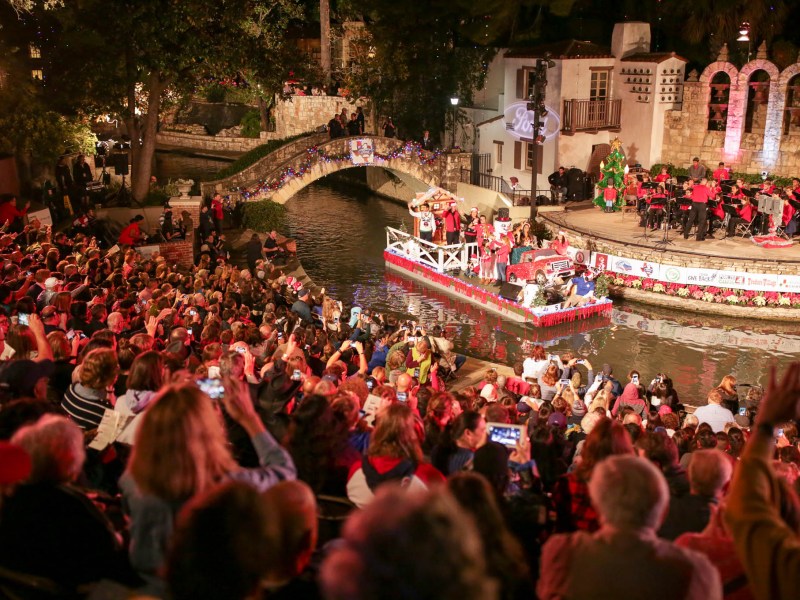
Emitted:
<point x="116" y="322"/>
<point x="624" y="558"/>
<point x="709" y="473"/>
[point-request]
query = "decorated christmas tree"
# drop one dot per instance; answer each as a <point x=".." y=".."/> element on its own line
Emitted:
<point x="612" y="169"/>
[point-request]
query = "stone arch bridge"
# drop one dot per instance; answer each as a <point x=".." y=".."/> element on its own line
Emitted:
<point x="287" y="170"/>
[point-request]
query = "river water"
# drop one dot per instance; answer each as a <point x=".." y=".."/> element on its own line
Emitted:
<point x="340" y="238"/>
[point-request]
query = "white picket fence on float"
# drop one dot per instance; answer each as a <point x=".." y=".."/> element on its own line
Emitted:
<point x="440" y="258"/>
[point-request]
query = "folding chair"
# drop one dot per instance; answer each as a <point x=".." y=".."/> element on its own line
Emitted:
<point x="744" y="229"/>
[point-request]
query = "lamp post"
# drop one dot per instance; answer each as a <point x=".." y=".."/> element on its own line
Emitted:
<point x="454" y="103"/>
<point x="536" y="104"/>
<point x="744" y="36"/>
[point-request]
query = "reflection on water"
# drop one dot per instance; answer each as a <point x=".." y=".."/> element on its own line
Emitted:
<point x="340" y="237"/>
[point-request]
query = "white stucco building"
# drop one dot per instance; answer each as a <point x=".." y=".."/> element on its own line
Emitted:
<point x="594" y="94"/>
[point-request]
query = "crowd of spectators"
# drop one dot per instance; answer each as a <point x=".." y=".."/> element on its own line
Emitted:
<point x="224" y="432"/>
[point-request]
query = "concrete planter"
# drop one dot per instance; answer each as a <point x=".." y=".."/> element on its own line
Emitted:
<point x="766" y="313"/>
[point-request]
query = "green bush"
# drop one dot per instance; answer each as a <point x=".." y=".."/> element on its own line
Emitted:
<point x="251" y="124"/>
<point x="254" y="155"/>
<point x="264" y="215"/>
<point x="215" y="93"/>
<point x="156" y="197"/>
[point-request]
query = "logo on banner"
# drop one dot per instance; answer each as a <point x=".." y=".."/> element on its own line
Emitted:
<point x="601" y="262"/>
<point x="519" y="121"/>
<point x="622" y="265"/>
<point x="647" y="269"/>
<point x="672" y="274"/>
<point x="362" y="152"/>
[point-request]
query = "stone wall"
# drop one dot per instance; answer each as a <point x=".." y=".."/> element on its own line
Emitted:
<point x="209" y="143"/>
<point x="299" y="114"/>
<point x="766" y="147"/>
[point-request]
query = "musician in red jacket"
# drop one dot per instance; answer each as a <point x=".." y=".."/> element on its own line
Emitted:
<point x="662" y="177"/>
<point x="745" y="215"/>
<point x="697" y="214"/>
<point x="722" y="173"/>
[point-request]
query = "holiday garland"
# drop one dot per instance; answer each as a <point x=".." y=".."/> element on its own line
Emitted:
<point x="316" y="155"/>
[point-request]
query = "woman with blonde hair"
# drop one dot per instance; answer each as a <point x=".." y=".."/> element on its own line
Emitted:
<point x="181" y="450"/>
<point x="394" y="454"/>
<point x="87" y="400"/>
<point x="730" y="397"/>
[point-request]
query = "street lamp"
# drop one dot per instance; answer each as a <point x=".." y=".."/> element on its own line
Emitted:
<point x="744" y="36"/>
<point x="454" y="102"/>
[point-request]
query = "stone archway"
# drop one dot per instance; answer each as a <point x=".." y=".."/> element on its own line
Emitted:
<point x="737" y="105"/>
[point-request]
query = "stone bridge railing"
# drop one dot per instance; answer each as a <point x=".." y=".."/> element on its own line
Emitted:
<point x="254" y="172"/>
<point x="293" y="167"/>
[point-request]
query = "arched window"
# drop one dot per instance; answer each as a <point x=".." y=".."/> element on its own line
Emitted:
<point x="755" y="117"/>
<point x="791" y="115"/>
<point x="718" y="101"/>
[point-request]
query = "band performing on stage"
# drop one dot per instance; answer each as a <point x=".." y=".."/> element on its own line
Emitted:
<point x="713" y="204"/>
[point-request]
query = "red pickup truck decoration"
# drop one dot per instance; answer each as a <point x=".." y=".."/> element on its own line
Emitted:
<point x="541" y="266"/>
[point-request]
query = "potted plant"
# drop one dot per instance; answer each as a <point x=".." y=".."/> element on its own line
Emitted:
<point x="184" y="186"/>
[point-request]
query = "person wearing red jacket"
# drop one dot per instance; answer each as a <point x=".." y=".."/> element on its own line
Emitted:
<point x="697" y="214"/>
<point x="132" y="235"/>
<point x="745" y="212"/>
<point x="9" y="212"/>
<point x="502" y="248"/>
<point x="216" y="211"/>
<point x="452" y="224"/>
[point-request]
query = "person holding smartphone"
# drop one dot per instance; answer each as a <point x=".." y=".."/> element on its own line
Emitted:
<point x="275" y="395"/>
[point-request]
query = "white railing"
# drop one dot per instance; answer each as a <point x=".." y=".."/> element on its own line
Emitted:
<point x="439" y="258"/>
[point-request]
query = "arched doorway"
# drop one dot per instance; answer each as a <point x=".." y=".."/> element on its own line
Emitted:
<point x="718" y="101"/>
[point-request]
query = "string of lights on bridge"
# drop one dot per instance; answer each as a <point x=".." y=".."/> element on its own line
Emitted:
<point x="316" y="155"/>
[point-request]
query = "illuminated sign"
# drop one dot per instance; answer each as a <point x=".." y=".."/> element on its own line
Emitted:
<point x="519" y="121"/>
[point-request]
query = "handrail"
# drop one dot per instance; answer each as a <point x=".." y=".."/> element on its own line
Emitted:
<point x="587" y="115"/>
<point x="439" y="258"/>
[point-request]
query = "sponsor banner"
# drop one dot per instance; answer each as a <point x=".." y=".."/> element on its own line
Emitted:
<point x="362" y="152"/>
<point x="626" y="266"/>
<point x="758" y="282"/>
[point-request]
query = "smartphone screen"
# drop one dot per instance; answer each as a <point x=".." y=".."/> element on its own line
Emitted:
<point x="297" y="375"/>
<point x="507" y="435"/>
<point x="743" y="411"/>
<point x="402" y="396"/>
<point x="635" y="380"/>
<point x="212" y="388"/>
<point x="565" y="382"/>
<point x="22" y="318"/>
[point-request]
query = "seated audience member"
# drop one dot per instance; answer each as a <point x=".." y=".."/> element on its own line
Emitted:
<point x="402" y="545"/>
<point x="709" y="473"/>
<point x="292" y="532"/>
<point x="767" y="545"/>
<point x="184" y="420"/>
<point x="506" y="559"/>
<point x="220" y="548"/>
<point x="631" y="498"/>
<point x="574" y="508"/>
<point x="50" y="528"/>
<point x="394" y="454"/>
<point x="714" y="413"/>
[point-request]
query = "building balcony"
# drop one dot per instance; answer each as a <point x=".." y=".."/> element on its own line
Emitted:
<point x="590" y="116"/>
